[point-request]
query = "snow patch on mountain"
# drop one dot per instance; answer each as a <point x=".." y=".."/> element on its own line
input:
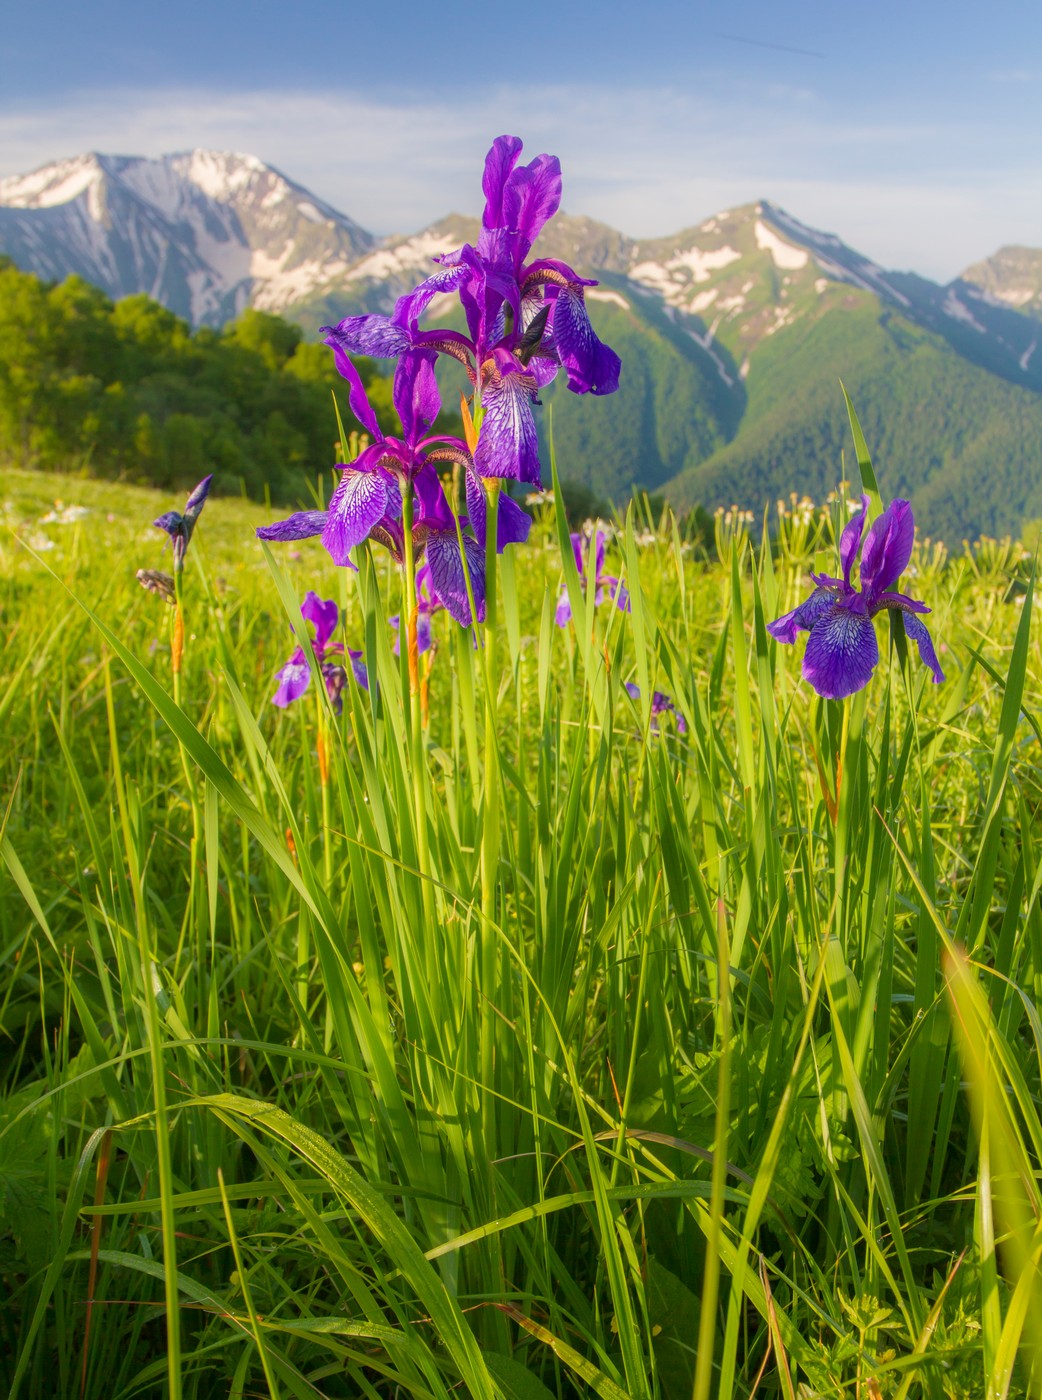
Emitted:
<point x="54" y="184"/>
<point x="604" y="294"/>
<point x="701" y="263"/>
<point x="959" y="311"/>
<point x="784" y="254"/>
<point x="411" y="255"/>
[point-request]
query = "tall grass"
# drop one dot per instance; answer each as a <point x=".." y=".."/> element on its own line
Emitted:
<point x="713" y="1072"/>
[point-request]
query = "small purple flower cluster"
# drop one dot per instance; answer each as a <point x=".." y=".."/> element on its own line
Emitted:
<point x="295" y="677"/>
<point x="842" y="651"/>
<point x="661" y="704"/>
<point x="606" y="585"/>
<point x="526" y="320"/>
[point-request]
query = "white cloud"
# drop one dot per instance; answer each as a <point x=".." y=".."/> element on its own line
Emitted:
<point x="911" y="193"/>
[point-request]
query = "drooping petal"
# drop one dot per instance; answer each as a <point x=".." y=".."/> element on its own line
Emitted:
<point x="294" y="679"/>
<point x="507" y="441"/>
<point x="788" y="627"/>
<point x="358" y="668"/>
<point x="850" y="540"/>
<point x="454" y="273"/>
<point x="323" y="614"/>
<point x="917" y="630"/>
<point x="592" y="367"/>
<point x="172" y="521"/>
<point x="301" y="526"/>
<point x="512" y="522"/>
<point x="448" y="577"/>
<point x="356" y="394"/>
<point x="563" y="615"/>
<point x="887" y="549"/>
<point x="899" y="600"/>
<point x="358" y="503"/>
<point x="380" y="337"/>
<point x="617" y="592"/>
<point x="841" y="654"/>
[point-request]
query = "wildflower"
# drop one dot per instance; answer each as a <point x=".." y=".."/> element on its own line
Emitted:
<point x="157" y="582"/>
<point x="616" y="588"/>
<point x="295" y="676"/>
<point x="180" y="524"/>
<point x="842" y="651"/>
<point x="661" y="704"/>
<point x="524" y="321"/>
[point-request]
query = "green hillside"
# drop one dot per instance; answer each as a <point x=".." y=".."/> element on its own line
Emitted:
<point x="965" y="446"/>
<point x="128" y="390"/>
<point x="671" y="407"/>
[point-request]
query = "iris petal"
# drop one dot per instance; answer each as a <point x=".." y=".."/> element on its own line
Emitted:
<point x="301" y="526"/>
<point x="591" y="366"/>
<point x="888" y="548"/>
<point x="323" y="614"/>
<point x="448" y="578"/>
<point x="499" y="163"/>
<point x="376" y="336"/>
<point x="850" y="540"/>
<point x="294" y="678"/>
<point x="919" y="634"/>
<point x="359" y="502"/>
<point x="532" y="197"/>
<point x="507" y="444"/>
<point x="788" y="627"/>
<point x="841" y="654"/>
<point x="417" y="400"/>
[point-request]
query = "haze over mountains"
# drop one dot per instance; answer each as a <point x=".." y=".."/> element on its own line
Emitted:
<point x="733" y="334"/>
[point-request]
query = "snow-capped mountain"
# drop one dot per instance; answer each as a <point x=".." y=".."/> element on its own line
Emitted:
<point x="206" y="233"/>
<point x="728" y="285"/>
<point x="732" y="333"/>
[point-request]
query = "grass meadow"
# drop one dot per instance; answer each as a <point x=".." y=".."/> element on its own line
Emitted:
<point x="496" y="1040"/>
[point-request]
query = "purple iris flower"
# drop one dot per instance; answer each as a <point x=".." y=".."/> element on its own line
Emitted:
<point x="661" y="704"/>
<point x="180" y="524"/>
<point x="295" y="676"/>
<point x="368" y="495"/>
<point x="524" y="321"/>
<point x="842" y="651"/>
<point x="607" y="585"/>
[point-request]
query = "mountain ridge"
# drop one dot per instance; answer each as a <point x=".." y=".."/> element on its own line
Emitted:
<point x="709" y="322"/>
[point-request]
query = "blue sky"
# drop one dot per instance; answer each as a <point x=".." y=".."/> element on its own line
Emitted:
<point x="910" y="129"/>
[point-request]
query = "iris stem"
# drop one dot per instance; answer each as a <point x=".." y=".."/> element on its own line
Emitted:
<point x="410" y="616"/>
<point x="489" y="959"/>
<point x="177" y="651"/>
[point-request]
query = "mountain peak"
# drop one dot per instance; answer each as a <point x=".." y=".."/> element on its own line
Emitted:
<point x="205" y="232"/>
